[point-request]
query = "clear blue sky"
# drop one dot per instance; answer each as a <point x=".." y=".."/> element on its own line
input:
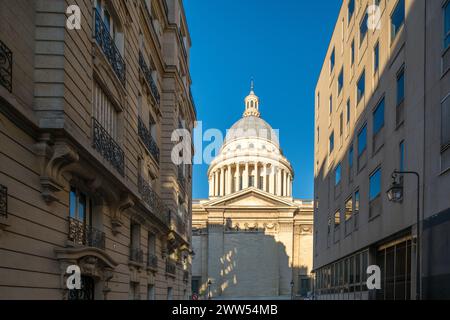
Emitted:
<point x="282" y="45"/>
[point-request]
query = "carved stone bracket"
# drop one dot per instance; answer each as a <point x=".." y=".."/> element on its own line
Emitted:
<point x="118" y="209"/>
<point x="55" y="158"/>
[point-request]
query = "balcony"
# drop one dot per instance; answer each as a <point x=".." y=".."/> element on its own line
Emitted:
<point x="109" y="48"/>
<point x="178" y="225"/>
<point x="107" y="147"/>
<point x="171" y="267"/>
<point x="149" y="78"/>
<point x="152" y="262"/>
<point x="84" y="235"/>
<point x="151" y="198"/>
<point x="148" y="140"/>
<point x="6" y="61"/>
<point x="136" y="255"/>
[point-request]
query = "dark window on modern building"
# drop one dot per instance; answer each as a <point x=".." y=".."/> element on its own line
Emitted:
<point x="362" y="140"/>
<point x="446" y="25"/>
<point x="361" y="87"/>
<point x="337" y="174"/>
<point x="363" y="27"/>
<point x="332" y="60"/>
<point x="350" y="156"/>
<point x="331" y="142"/>
<point x="376" y="57"/>
<point x="401" y="148"/>
<point x="401" y="86"/>
<point x="352" y="53"/>
<point x="340" y="81"/>
<point x="375" y="185"/>
<point x="350" y="10"/>
<point x="378" y="118"/>
<point x="397" y="18"/>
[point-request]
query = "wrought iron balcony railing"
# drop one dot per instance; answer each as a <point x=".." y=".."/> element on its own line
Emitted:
<point x="136" y="255"/>
<point x="171" y="267"/>
<point x="109" y="48"/>
<point x="185" y="276"/>
<point x="148" y="140"/>
<point x="152" y="261"/>
<point x="178" y="225"/>
<point x="108" y="147"/>
<point x="3" y="201"/>
<point x="6" y="61"/>
<point x="149" y="78"/>
<point x="84" y="235"/>
<point x="151" y="198"/>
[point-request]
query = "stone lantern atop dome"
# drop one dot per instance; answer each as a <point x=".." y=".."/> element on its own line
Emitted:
<point x="252" y="103"/>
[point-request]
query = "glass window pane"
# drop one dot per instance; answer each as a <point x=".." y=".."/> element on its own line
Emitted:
<point x="375" y="185"/>
<point x="81" y="207"/>
<point x="338" y="174"/>
<point x="362" y="140"/>
<point x="351" y="9"/>
<point x="72" y="203"/>
<point x="376" y="55"/>
<point x="447" y="25"/>
<point x="400" y="87"/>
<point x="402" y="156"/>
<point x="361" y="87"/>
<point x="363" y="27"/>
<point x="397" y="18"/>
<point x="378" y="117"/>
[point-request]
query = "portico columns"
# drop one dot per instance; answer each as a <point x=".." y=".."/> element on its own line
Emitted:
<point x="228" y="180"/>
<point x="246" y="176"/>
<point x="256" y="175"/>
<point x="279" y="182"/>
<point x="264" y="177"/>
<point x="222" y="182"/>
<point x="237" y="174"/>
<point x="286" y="184"/>
<point x="211" y="186"/>
<point x="272" y="179"/>
<point x="216" y="183"/>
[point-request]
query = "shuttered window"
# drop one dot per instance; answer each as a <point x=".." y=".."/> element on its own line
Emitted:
<point x="104" y="111"/>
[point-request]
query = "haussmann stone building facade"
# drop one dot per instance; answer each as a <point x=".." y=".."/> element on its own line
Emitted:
<point x="86" y="177"/>
<point x="382" y="105"/>
<point x="251" y="238"/>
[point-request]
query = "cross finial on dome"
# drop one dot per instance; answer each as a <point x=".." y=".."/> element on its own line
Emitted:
<point x="252" y="102"/>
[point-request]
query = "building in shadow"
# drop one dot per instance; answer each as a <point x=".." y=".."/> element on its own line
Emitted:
<point x="382" y="105"/>
<point x="251" y="238"/>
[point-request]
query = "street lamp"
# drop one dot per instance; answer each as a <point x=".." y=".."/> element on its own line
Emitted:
<point x="395" y="194"/>
<point x="209" y="289"/>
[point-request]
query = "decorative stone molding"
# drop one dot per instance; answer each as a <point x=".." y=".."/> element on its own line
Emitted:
<point x="55" y="158"/>
<point x="92" y="262"/>
<point x="118" y="209"/>
<point x="251" y="226"/>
